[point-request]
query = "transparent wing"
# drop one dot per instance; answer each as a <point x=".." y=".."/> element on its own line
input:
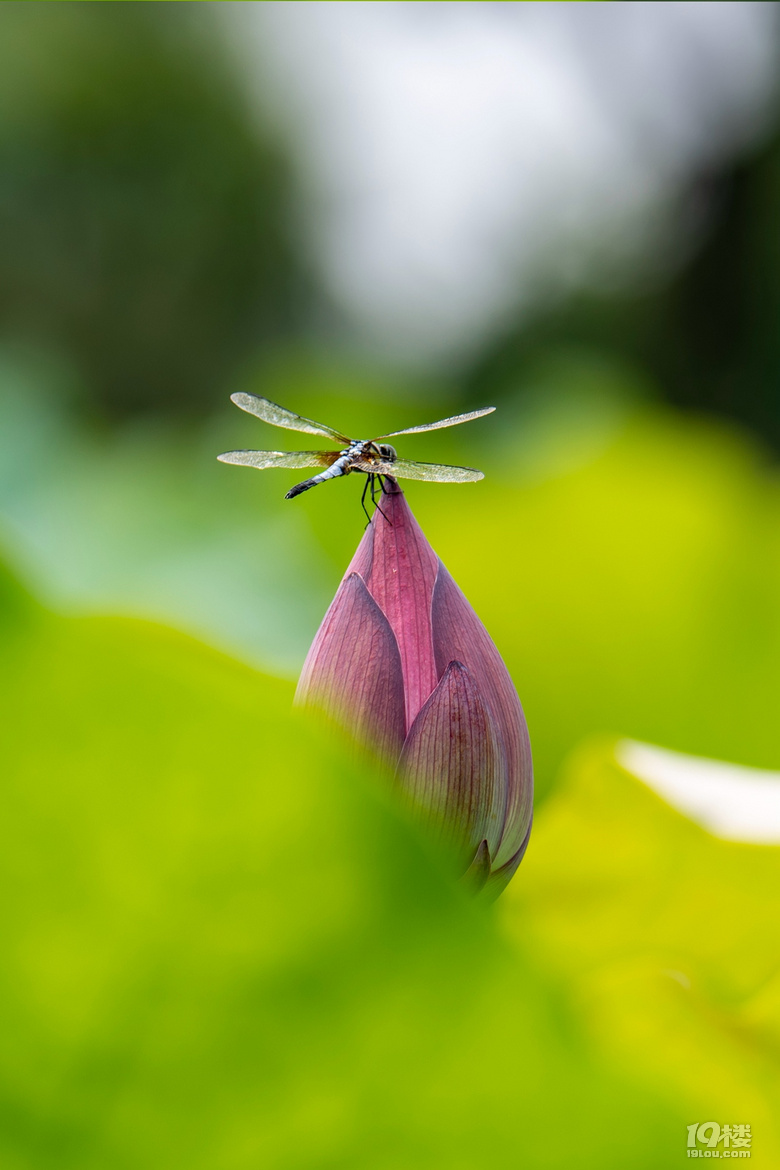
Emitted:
<point x="277" y="416"/>
<point x="437" y="472"/>
<point x="443" y="422"/>
<point x="264" y="459"/>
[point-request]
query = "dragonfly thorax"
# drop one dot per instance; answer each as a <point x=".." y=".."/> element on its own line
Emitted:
<point x="367" y="451"/>
<point x="359" y="449"/>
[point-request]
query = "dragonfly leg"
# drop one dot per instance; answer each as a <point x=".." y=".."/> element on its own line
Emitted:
<point x="369" y="479"/>
<point x="373" y="496"/>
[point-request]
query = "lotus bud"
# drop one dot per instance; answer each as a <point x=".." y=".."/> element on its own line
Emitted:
<point x="402" y="661"/>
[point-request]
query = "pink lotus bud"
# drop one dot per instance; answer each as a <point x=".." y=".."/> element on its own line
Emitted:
<point x="402" y="661"/>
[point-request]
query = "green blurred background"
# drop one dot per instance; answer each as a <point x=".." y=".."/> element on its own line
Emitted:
<point x="223" y="948"/>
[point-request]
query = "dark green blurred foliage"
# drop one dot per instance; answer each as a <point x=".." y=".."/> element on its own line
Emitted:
<point x="142" y="221"/>
<point x="706" y="335"/>
<point x="715" y="343"/>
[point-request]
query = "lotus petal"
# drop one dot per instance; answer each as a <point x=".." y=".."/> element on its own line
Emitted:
<point x="400" y="570"/>
<point x="458" y="634"/>
<point x="452" y="766"/>
<point x="364" y="556"/>
<point x="353" y="671"/>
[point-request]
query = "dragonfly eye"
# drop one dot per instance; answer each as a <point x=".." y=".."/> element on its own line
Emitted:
<point x="387" y="452"/>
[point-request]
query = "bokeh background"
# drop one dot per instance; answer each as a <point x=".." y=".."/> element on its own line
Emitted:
<point x="224" y="947"/>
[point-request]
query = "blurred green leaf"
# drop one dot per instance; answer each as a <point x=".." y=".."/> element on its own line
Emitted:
<point x="223" y="947"/>
<point x="667" y="938"/>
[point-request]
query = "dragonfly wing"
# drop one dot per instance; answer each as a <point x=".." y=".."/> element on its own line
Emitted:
<point x="277" y="416"/>
<point x="436" y="472"/>
<point x="443" y="422"/>
<point x="264" y="459"/>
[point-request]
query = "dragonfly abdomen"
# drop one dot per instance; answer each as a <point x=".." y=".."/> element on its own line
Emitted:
<point x="340" y="467"/>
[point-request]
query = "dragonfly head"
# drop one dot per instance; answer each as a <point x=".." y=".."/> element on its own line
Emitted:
<point x="387" y="452"/>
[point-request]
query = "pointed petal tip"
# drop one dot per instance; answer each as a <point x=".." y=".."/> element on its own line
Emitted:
<point x="500" y="878"/>
<point x="478" y="872"/>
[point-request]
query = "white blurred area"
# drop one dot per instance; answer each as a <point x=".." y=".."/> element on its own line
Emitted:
<point x="729" y="800"/>
<point x="462" y="163"/>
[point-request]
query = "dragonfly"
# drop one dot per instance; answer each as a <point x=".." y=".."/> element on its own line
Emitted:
<point x="375" y="458"/>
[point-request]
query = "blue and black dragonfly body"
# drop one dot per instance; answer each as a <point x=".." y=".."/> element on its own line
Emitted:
<point x="373" y="457"/>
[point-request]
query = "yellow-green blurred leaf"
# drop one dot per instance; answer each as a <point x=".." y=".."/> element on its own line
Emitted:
<point x="667" y="938"/>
